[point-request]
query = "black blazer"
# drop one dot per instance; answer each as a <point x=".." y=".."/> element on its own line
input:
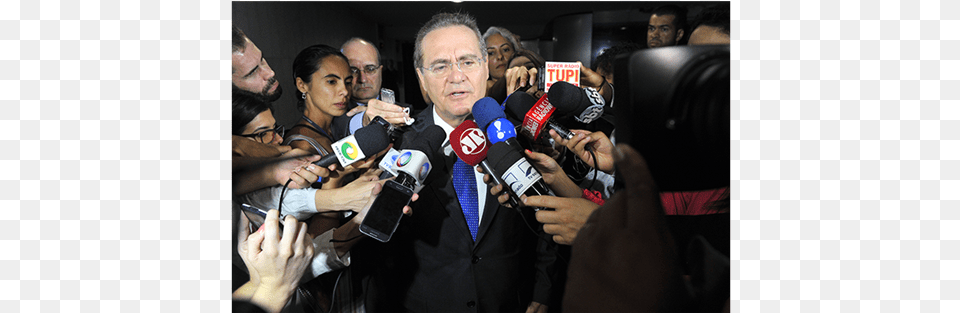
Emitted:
<point x="432" y="264"/>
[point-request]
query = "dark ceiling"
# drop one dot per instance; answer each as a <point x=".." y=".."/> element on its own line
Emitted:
<point x="526" y="19"/>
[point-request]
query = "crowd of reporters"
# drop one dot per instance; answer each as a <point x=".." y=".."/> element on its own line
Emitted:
<point x="589" y="231"/>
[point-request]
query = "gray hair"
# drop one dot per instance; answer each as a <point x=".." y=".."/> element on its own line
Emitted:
<point x="510" y="37"/>
<point x="442" y="20"/>
<point x="361" y="40"/>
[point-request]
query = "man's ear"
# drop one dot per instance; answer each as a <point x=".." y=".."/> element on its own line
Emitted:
<point x="420" y="78"/>
<point x="679" y="35"/>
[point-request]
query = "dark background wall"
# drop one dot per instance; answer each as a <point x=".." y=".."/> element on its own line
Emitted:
<point x="566" y="31"/>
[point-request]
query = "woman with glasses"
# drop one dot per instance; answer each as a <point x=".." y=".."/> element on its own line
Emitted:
<point x="253" y="119"/>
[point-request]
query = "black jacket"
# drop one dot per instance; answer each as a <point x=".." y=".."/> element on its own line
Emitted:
<point x="432" y="264"/>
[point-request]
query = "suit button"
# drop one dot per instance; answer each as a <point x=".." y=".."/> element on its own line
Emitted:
<point x="475" y="259"/>
<point x="471" y="304"/>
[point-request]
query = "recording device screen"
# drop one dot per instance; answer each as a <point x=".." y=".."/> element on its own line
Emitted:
<point x="384" y="215"/>
<point x="256" y="216"/>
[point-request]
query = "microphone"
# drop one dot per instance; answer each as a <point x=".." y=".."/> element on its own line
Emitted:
<point x="393" y="132"/>
<point x="535" y="114"/>
<point x="364" y="142"/>
<point x="414" y="163"/>
<point x="412" y="166"/>
<point x="470" y="145"/>
<point x="584" y="104"/>
<point x="517" y="173"/>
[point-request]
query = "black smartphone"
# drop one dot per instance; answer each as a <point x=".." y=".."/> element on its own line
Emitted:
<point x="385" y="212"/>
<point x="256" y="216"/>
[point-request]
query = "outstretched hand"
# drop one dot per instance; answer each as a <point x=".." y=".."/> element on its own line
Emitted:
<point x="582" y="140"/>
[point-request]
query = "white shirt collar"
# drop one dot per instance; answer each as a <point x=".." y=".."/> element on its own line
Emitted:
<point x="447" y="150"/>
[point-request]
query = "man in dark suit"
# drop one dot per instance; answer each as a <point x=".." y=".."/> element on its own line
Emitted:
<point x="460" y="251"/>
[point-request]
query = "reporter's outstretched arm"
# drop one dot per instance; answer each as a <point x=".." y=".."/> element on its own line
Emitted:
<point x="567" y="218"/>
<point x="251" y="173"/>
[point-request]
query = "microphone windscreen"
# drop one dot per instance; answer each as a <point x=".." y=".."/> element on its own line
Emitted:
<point x="486" y="110"/>
<point x="567" y="98"/>
<point x="519" y="104"/>
<point x="372" y="139"/>
<point x="469" y="143"/>
<point x="429" y="142"/>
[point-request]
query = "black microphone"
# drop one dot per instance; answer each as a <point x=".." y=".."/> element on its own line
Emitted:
<point x="414" y="163"/>
<point x="366" y="141"/>
<point x="585" y="105"/>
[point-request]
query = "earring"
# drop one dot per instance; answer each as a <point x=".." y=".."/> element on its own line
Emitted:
<point x="303" y="96"/>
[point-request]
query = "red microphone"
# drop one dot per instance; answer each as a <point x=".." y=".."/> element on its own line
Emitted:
<point x="536" y="114"/>
<point x="470" y="145"/>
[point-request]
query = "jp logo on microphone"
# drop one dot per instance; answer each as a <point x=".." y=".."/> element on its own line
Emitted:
<point x="472" y="141"/>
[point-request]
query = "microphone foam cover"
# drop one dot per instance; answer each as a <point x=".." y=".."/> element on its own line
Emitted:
<point x="429" y="142"/>
<point x="567" y="98"/>
<point x="519" y="104"/>
<point x="469" y="143"/>
<point x="486" y="110"/>
<point x="372" y="139"/>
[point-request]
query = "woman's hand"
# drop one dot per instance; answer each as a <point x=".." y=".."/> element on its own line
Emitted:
<point x="300" y="169"/>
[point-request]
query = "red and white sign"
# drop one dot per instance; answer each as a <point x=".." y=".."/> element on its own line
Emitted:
<point x="561" y="71"/>
<point x="537" y="117"/>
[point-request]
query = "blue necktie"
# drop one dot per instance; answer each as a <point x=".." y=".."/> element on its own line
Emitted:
<point x="465" y="183"/>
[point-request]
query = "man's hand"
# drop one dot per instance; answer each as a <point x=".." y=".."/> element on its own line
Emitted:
<point x="568" y="216"/>
<point x="519" y="77"/>
<point x="597" y="141"/>
<point x="358" y="109"/>
<point x="242" y="235"/>
<point x="338" y="172"/>
<point x="589" y="78"/>
<point x="391" y="112"/>
<point x="279" y="260"/>
<point x="536" y="307"/>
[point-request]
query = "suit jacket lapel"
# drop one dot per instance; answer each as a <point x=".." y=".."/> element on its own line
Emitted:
<point x="489" y="210"/>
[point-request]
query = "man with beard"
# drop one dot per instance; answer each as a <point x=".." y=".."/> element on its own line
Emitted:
<point x="666" y="26"/>
<point x="251" y="73"/>
<point x="252" y="76"/>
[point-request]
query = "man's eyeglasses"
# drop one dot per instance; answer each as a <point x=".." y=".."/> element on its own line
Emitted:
<point x="466" y="64"/>
<point x="367" y="70"/>
<point x="263" y="136"/>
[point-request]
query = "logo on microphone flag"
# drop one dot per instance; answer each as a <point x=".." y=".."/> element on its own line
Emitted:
<point x="472" y="141"/>
<point x="347" y="150"/>
<point x="404" y="159"/>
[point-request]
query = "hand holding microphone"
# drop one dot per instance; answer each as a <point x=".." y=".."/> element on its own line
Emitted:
<point x="584" y="142"/>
